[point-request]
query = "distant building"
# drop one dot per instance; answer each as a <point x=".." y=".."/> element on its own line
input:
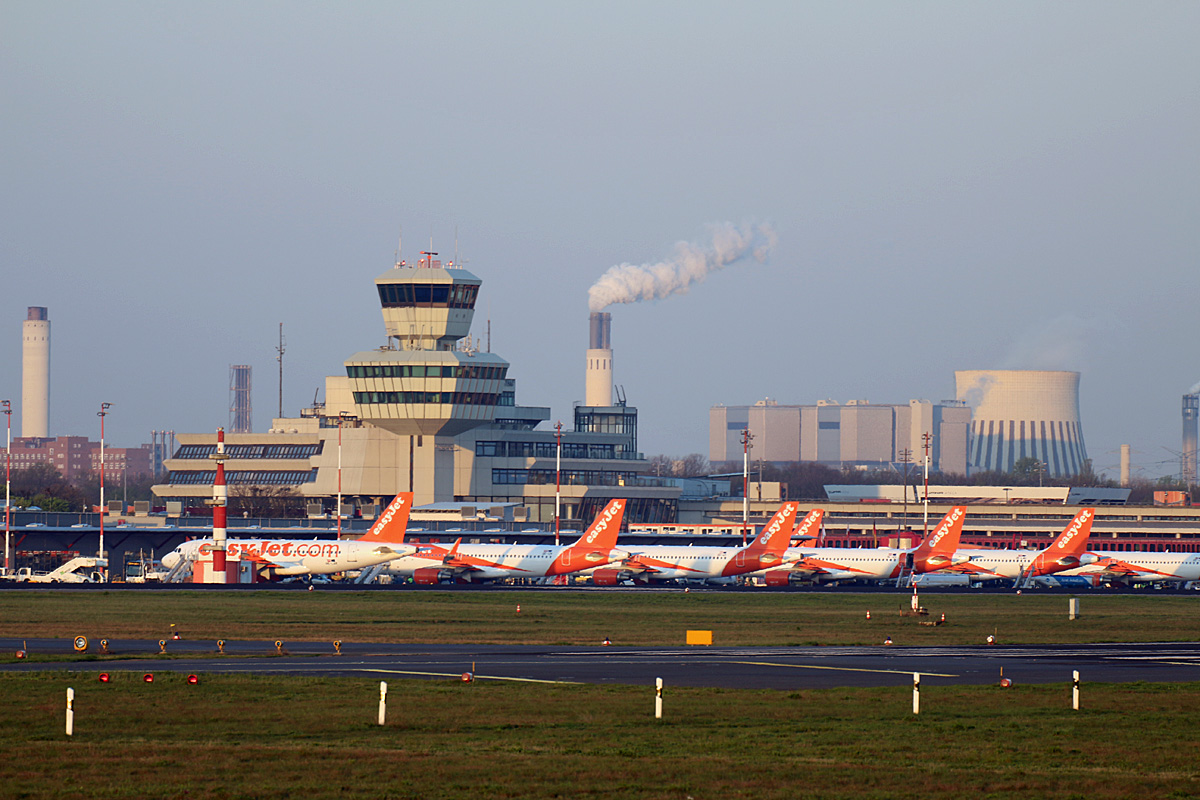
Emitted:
<point x="855" y="434"/>
<point x="76" y="456"/>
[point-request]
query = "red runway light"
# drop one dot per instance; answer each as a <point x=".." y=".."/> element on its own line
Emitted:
<point x="104" y="677"/>
<point x="192" y="679"/>
<point x="148" y="677"/>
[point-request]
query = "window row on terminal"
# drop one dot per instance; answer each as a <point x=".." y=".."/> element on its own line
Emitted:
<point x="280" y="451"/>
<point x="291" y="477"/>
<point x="545" y="450"/>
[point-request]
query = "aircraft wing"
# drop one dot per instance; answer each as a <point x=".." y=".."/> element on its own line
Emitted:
<point x="641" y="564"/>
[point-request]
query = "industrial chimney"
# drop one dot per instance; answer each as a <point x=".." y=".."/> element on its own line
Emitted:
<point x="35" y="374"/>
<point x="1191" y="414"/>
<point x="599" y="385"/>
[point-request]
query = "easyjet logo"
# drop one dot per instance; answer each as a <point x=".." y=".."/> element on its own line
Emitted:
<point x="1076" y="526"/>
<point x="389" y="513"/>
<point x="602" y="521"/>
<point x="943" y="529"/>
<point x="809" y="521"/>
<point x="776" y="523"/>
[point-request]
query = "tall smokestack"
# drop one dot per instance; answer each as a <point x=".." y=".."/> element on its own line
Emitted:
<point x="599" y="385"/>
<point x="35" y="374"/>
<point x="1191" y="415"/>
<point x="1125" y="465"/>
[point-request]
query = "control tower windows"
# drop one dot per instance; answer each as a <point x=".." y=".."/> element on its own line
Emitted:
<point x="427" y="295"/>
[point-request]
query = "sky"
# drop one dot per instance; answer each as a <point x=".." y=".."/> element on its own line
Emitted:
<point x="933" y="186"/>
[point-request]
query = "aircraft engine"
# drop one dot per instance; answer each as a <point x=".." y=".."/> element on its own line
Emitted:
<point x="431" y="576"/>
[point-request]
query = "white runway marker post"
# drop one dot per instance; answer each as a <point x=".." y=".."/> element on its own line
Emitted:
<point x="1075" y="690"/>
<point x="916" y="693"/>
<point x="70" y="712"/>
<point x="658" y="698"/>
<point x="382" y="701"/>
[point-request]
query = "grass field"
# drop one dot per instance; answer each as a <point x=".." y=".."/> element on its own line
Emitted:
<point x="574" y="618"/>
<point x="261" y="737"/>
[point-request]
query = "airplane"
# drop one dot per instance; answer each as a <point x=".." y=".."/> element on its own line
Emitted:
<point x="661" y="563"/>
<point x="1134" y="567"/>
<point x="479" y="563"/>
<point x="288" y="557"/>
<point x="1066" y="552"/>
<point x="828" y="564"/>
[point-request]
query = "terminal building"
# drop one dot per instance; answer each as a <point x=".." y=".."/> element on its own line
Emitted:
<point x="431" y="413"/>
<point x="857" y="434"/>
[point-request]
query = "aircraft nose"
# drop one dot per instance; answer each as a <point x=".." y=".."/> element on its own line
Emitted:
<point x="171" y="559"/>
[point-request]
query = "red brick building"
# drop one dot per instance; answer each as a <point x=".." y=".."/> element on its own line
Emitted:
<point x="75" y="456"/>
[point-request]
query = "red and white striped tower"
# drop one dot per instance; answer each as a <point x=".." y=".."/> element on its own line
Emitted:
<point x="219" y="501"/>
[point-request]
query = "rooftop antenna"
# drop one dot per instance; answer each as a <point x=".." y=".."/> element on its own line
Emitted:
<point x="399" y="242"/>
<point x="456" y="245"/>
<point x="279" y="358"/>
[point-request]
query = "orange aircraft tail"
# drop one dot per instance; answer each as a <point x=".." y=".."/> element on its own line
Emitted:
<point x="602" y="533"/>
<point x="1067" y="550"/>
<point x="391" y="525"/>
<point x="937" y="551"/>
<point x="777" y="533"/>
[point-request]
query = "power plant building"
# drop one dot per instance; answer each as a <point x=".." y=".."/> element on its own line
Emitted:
<point x="857" y="434"/>
<point x="1022" y="414"/>
<point x="433" y="414"/>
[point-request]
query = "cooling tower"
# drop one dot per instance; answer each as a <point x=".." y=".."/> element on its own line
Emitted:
<point x="35" y="374"/>
<point x="1020" y="414"/>
<point x="599" y="385"/>
<point x="1191" y="418"/>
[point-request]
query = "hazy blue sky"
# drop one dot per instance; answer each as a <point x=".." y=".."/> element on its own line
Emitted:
<point x="952" y="185"/>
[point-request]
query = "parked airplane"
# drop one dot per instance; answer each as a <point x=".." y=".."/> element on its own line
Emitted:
<point x="660" y="563"/>
<point x="287" y="557"/>
<point x="827" y="564"/>
<point x="1131" y="568"/>
<point x="478" y="563"/>
<point x="1068" y="551"/>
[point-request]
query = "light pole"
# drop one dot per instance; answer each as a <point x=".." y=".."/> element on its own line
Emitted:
<point x="906" y="459"/>
<point x="557" y="477"/>
<point x="338" y="510"/>
<point x="747" y="437"/>
<point x="8" y="490"/>
<point x="102" y="413"/>
<point x="928" y="437"/>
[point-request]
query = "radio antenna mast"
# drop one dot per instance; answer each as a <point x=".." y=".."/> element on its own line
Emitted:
<point x="279" y="358"/>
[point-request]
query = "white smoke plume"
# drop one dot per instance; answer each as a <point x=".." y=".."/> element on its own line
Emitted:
<point x="1195" y="389"/>
<point x="691" y="263"/>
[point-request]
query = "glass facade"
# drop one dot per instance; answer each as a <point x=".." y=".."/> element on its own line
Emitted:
<point x="462" y="371"/>
<point x="250" y="450"/>
<point x="427" y="295"/>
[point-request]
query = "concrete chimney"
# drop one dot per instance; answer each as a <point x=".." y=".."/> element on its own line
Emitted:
<point x="1191" y="418"/>
<point x="35" y="374"/>
<point x="599" y="383"/>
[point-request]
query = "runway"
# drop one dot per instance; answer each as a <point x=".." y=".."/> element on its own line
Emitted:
<point x="783" y="668"/>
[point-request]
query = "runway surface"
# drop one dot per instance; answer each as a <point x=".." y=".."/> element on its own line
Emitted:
<point x="786" y="668"/>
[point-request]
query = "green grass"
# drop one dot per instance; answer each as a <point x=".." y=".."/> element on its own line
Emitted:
<point x="574" y="618"/>
<point x="270" y="737"/>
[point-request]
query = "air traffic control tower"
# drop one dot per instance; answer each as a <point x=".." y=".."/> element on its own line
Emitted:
<point x="427" y="385"/>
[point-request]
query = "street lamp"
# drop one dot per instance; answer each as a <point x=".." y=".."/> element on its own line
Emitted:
<point x="747" y="437"/>
<point x="8" y="489"/>
<point x="102" y="413"/>
<point x="557" y="477"/>
<point x="338" y="510"/>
